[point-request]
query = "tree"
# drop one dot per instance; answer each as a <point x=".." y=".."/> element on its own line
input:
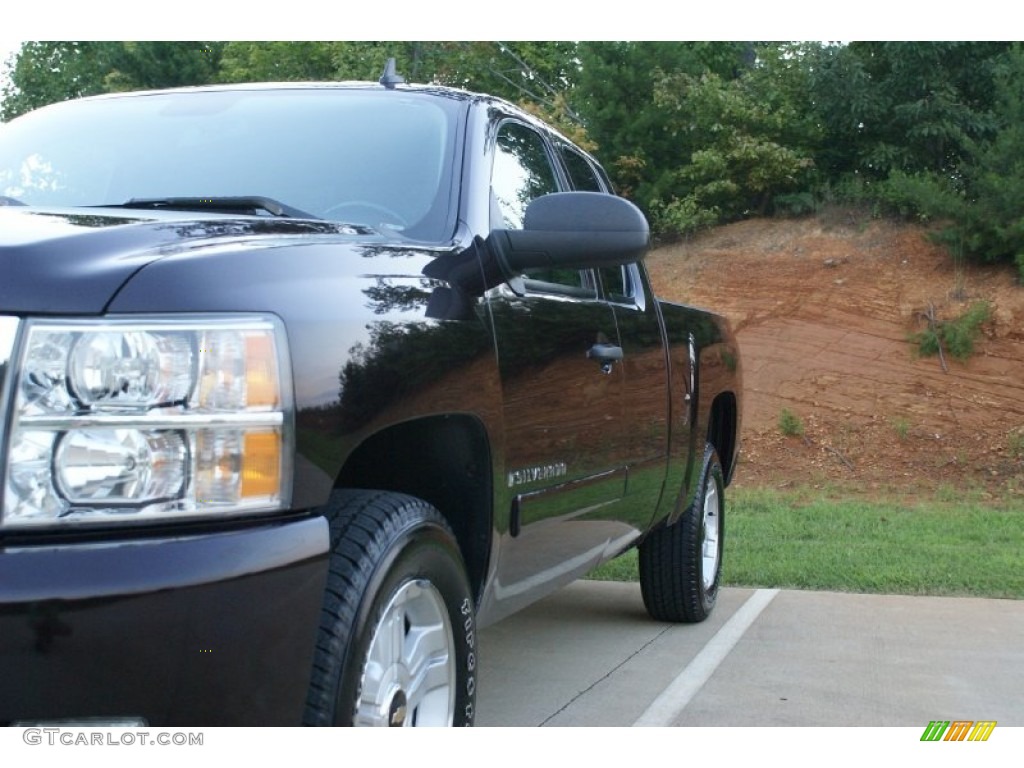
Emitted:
<point x="615" y="96"/>
<point x="46" y="72"/>
<point x="536" y="75"/>
<point x="902" y="106"/>
<point x="278" y="61"/>
<point x="754" y="144"/>
<point x="43" y="73"/>
<point x="697" y="133"/>
<point x="532" y="71"/>
<point x="991" y="226"/>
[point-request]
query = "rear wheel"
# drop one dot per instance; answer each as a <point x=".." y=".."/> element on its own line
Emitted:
<point x="681" y="563"/>
<point x="397" y="639"/>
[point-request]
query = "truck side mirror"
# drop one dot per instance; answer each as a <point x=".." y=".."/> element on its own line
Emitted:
<point x="573" y="229"/>
<point x="566" y="229"/>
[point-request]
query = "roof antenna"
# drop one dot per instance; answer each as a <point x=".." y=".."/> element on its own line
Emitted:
<point x="389" y="79"/>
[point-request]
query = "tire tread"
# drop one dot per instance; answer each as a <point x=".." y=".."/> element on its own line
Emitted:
<point x="670" y="563"/>
<point x="362" y="526"/>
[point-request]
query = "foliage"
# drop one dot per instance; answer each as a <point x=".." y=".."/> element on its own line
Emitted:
<point x="901" y="427"/>
<point x="637" y="140"/>
<point x="278" y="61"/>
<point x="790" y="424"/>
<point x="923" y="196"/>
<point x="979" y="203"/>
<point x="698" y="133"/>
<point x="794" y="204"/>
<point x="742" y="162"/>
<point x="682" y="216"/>
<point x="957" y="336"/>
<point x="45" y="72"/>
<point x="992" y="225"/>
<point x="908" y="106"/>
<point x="535" y="74"/>
<point x="1015" y="442"/>
<point x="160" y="64"/>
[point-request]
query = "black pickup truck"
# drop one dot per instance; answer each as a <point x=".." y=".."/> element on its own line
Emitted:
<point x="303" y="384"/>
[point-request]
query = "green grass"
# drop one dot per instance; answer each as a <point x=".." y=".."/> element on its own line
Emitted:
<point x="933" y="547"/>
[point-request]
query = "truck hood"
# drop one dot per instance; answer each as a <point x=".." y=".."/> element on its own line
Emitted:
<point x="74" y="260"/>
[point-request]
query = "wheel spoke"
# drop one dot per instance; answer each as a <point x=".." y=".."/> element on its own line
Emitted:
<point x="410" y="658"/>
<point x="429" y="661"/>
<point x="710" y="550"/>
<point x="427" y="646"/>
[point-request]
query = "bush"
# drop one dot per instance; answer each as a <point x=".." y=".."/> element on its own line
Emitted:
<point x="1015" y="442"/>
<point x="902" y="427"/>
<point x="920" y="196"/>
<point x="790" y="423"/>
<point x="795" y="204"/>
<point x="682" y="217"/>
<point x="956" y="337"/>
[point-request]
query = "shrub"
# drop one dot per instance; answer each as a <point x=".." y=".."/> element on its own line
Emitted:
<point x="681" y="217"/>
<point x="1015" y="441"/>
<point x="957" y="336"/>
<point x="902" y="427"/>
<point x="794" y="204"/>
<point x="920" y="196"/>
<point x="790" y="423"/>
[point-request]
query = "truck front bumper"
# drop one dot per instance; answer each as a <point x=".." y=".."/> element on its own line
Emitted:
<point x="214" y="629"/>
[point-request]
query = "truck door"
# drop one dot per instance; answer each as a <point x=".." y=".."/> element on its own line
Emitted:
<point x="644" y="364"/>
<point x="559" y="356"/>
<point x="649" y="400"/>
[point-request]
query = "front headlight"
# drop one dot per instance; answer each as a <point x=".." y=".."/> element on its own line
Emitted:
<point x="141" y="419"/>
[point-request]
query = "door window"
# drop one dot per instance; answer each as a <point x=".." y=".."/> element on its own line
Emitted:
<point x="523" y="172"/>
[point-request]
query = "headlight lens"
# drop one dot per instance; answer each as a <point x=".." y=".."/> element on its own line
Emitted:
<point x="128" y="465"/>
<point x="161" y="418"/>
<point x="128" y="369"/>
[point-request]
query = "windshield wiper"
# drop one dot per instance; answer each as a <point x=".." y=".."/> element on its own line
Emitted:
<point x="245" y="205"/>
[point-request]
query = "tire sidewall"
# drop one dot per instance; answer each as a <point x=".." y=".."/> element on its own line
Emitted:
<point x="421" y="552"/>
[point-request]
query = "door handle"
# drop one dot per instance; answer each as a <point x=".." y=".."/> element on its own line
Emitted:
<point x="606" y="355"/>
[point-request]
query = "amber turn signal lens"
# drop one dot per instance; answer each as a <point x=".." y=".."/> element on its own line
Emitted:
<point x="261" y="464"/>
<point x="260" y="371"/>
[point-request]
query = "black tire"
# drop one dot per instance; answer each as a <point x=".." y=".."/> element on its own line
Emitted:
<point x="681" y="563"/>
<point x="394" y="564"/>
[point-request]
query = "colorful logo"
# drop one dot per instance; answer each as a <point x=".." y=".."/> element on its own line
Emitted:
<point x="958" y="730"/>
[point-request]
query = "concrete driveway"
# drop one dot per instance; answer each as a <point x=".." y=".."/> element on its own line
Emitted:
<point x="589" y="655"/>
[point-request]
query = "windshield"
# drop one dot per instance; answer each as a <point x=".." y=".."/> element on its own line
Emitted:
<point x="383" y="159"/>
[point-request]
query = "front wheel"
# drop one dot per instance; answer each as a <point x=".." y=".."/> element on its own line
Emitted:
<point x="397" y="639"/>
<point x="681" y="564"/>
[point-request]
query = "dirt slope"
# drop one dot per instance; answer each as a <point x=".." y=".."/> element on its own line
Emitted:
<point x="823" y="309"/>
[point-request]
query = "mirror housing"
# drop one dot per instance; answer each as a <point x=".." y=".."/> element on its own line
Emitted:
<point x="580" y="230"/>
<point x="573" y="229"/>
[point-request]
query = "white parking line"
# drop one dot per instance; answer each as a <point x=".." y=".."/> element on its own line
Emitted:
<point x="665" y="709"/>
